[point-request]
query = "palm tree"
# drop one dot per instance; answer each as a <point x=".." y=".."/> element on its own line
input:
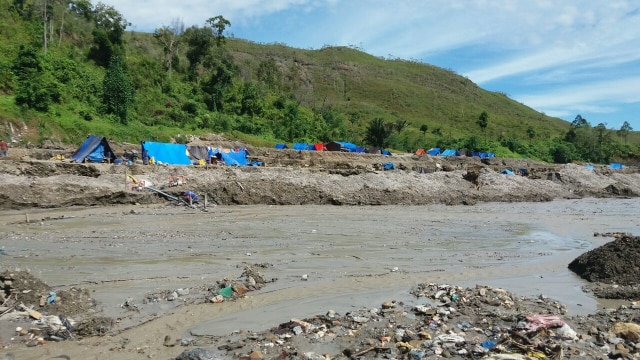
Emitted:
<point x="378" y="132"/>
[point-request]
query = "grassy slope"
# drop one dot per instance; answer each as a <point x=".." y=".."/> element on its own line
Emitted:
<point x="419" y="93"/>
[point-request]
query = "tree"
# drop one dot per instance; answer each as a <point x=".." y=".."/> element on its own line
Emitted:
<point x="562" y="153"/>
<point x="400" y="125"/>
<point x="221" y="70"/>
<point x="36" y="87"/>
<point x="269" y="74"/>
<point x="118" y="90"/>
<point x="377" y="133"/>
<point x="218" y="25"/>
<point x="107" y="35"/>
<point x="168" y="37"/>
<point x="482" y="122"/>
<point x="199" y="42"/>
<point x="531" y="134"/>
<point x="424" y="128"/>
<point x="624" y="131"/>
<point x="580" y="122"/>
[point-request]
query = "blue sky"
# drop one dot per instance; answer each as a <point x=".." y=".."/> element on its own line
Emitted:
<point x="560" y="57"/>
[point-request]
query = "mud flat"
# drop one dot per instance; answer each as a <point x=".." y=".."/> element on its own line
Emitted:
<point x="313" y="259"/>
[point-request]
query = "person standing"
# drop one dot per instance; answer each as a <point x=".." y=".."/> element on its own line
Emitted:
<point x="4" y="148"/>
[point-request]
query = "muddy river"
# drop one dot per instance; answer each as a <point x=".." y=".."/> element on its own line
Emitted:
<point x="350" y="256"/>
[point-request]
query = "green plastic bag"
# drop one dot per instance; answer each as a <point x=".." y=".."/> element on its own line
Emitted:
<point x="226" y="292"/>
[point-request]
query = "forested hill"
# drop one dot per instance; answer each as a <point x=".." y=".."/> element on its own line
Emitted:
<point x="69" y="68"/>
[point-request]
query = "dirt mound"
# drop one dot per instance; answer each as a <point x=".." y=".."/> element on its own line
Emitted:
<point x="612" y="263"/>
<point x="21" y="287"/>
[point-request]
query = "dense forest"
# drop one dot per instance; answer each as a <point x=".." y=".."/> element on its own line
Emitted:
<point x="69" y="68"/>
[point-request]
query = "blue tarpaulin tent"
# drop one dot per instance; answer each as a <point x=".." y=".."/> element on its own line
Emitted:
<point x="388" y="166"/>
<point x="386" y="152"/>
<point x="507" y="172"/>
<point x="340" y="146"/>
<point x="300" y="146"/>
<point x="346" y="145"/>
<point x="434" y="151"/>
<point x="235" y="158"/>
<point x="165" y="153"/>
<point x="281" y="146"/>
<point x="450" y="152"/>
<point x="615" y="166"/>
<point x="482" y="154"/>
<point x="95" y="149"/>
<point x="590" y="167"/>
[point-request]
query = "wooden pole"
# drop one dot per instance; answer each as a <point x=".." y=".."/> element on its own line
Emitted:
<point x="26" y="216"/>
<point x="205" y="201"/>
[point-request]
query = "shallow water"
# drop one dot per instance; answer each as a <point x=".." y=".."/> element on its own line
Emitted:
<point x="353" y="256"/>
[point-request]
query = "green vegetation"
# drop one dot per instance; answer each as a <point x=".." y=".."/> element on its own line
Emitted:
<point x="69" y="68"/>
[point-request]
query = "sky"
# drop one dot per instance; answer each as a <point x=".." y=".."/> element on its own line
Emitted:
<point x="561" y="57"/>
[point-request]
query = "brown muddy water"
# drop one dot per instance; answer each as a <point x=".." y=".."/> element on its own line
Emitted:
<point x="351" y="256"/>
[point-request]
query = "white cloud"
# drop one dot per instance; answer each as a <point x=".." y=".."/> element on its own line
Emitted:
<point x="601" y="97"/>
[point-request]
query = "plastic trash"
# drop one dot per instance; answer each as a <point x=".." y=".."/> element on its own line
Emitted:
<point x="51" y="298"/>
<point x="226" y="292"/>
<point x="488" y="344"/>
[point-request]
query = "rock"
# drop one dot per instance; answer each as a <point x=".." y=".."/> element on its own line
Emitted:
<point x="182" y="292"/>
<point x="626" y="330"/>
<point x="297" y="330"/>
<point x="305" y="326"/>
<point x="256" y="355"/>
<point x="240" y="289"/>
<point x="217" y="299"/>
<point x="167" y="341"/>
<point x="360" y="319"/>
<point x="388" y="304"/>
<point x="197" y="354"/>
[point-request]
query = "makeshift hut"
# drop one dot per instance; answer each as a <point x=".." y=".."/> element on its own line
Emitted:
<point x="340" y="146"/>
<point x="94" y="149"/>
<point x="166" y="153"/>
<point x="434" y="151"/>
<point x="450" y="152"/>
<point x="198" y="152"/>
<point x="300" y="146"/>
<point x="281" y="146"/>
<point x="421" y="151"/>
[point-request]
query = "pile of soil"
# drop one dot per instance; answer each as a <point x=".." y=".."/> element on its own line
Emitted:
<point x="289" y="177"/>
<point x="21" y="287"/>
<point x="613" y="263"/>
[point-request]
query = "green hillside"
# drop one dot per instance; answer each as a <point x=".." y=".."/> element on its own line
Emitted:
<point x="68" y="69"/>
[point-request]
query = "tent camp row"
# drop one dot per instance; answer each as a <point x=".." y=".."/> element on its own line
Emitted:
<point x="97" y="149"/>
<point x="454" y="152"/>
<point x="334" y="146"/>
